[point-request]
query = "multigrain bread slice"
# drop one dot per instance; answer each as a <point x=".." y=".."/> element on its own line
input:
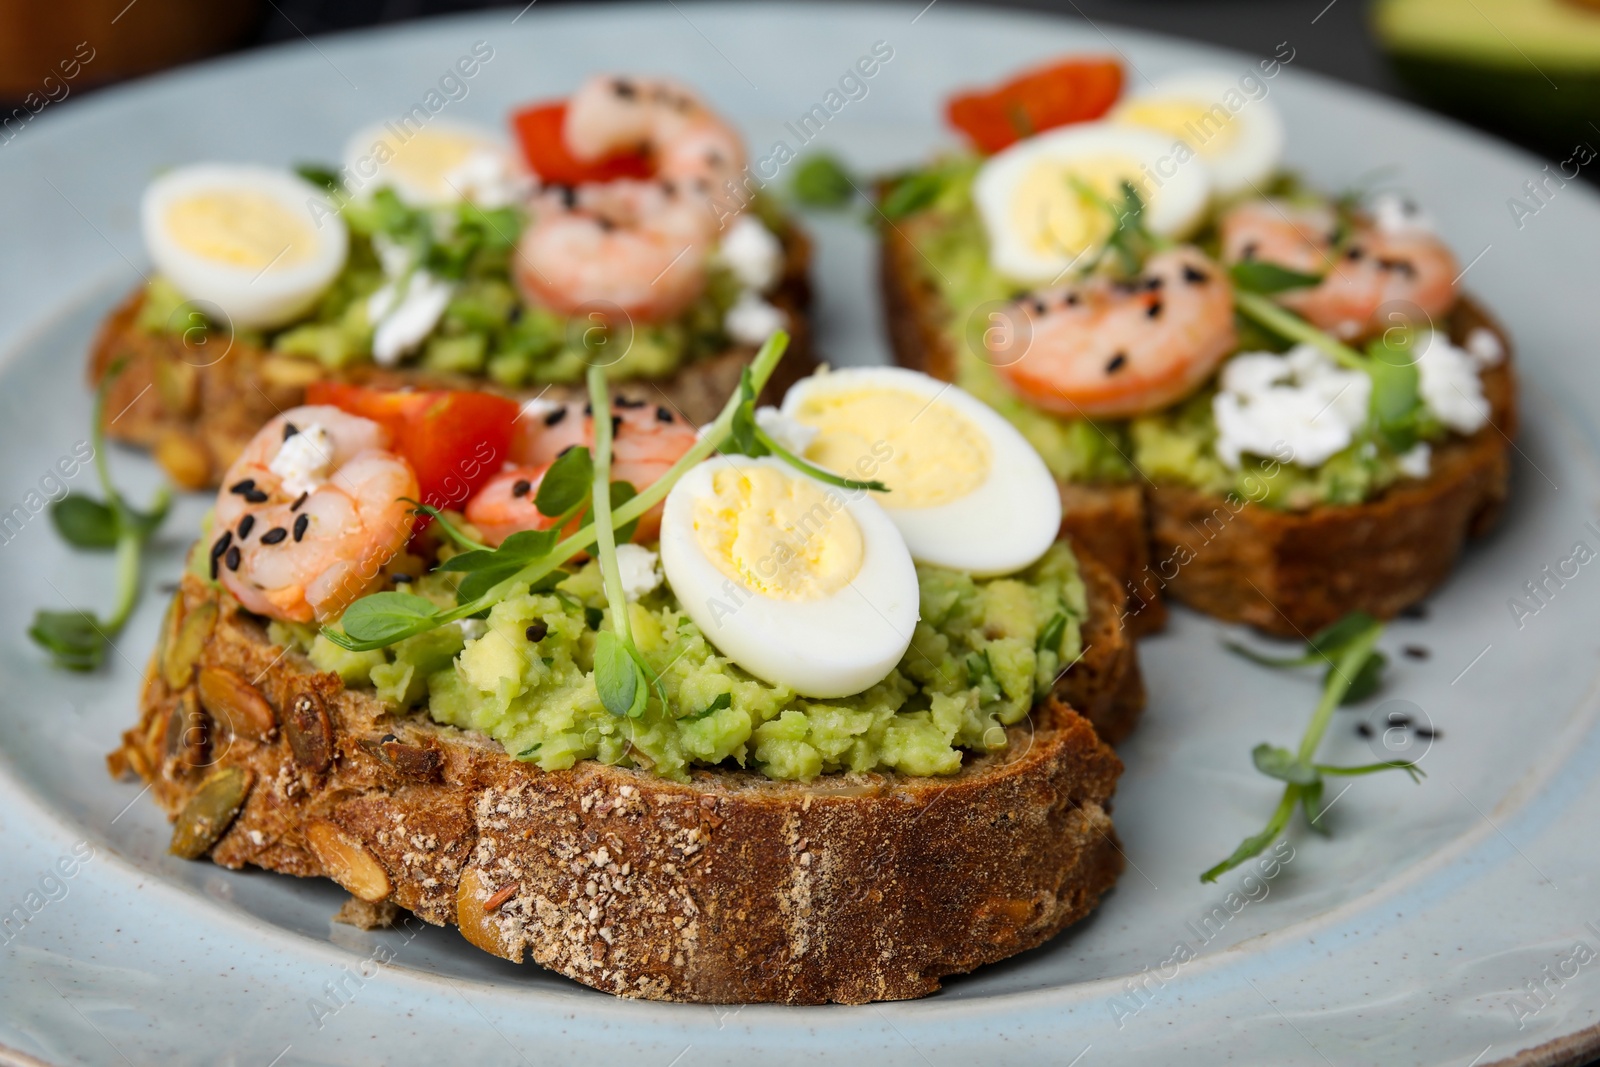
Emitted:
<point x="1292" y="573"/>
<point x="730" y="888"/>
<point x="197" y="403"/>
<point x="1284" y="572"/>
<point x="1108" y="520"/>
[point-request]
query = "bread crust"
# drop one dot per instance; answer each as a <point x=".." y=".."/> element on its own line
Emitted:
<point x="197" y="405"/>
<point x="731" y="888"/>
<point x="1108" y="520"/>
<point x="1287" y="573"/>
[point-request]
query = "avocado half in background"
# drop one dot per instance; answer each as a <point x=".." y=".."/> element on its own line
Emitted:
<point x="1530" y="68"/>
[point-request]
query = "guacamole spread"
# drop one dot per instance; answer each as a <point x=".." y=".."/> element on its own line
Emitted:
<point x="983" y="652"/>
<point x="934" y="208"/>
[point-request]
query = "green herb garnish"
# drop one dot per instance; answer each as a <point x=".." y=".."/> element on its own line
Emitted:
<point x="77" y="640"/>
<point x="1259" y="276"/>
<point x="821" y="181"/>
<point x="1354" y="667"/>
<point x="747" y="438"/>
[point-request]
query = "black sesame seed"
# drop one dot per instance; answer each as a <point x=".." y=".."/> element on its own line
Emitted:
<point x="241" y="488"/>
<point x="1414" y="611"/>
<point x="536" y="630"/>
<point x="616" y="424"/>
<point x="1354" y="255"/>
<point x="300" y="525"/>
<point x="1398" y="718"/>
<point x="520" y="487"/>
<point x="256" y="496"/>
<point x="1428" y="733"/>
<point x="218" y="549"/>
<point x="289" y="430"/>
<point x="1154" y="283"/>
<point x="401" y="579"/>
<point x="605" y="224"/>
<point x="301" y="500"/>
<point x="1195" y="277"/>
<point x="555" y="416"/>
<point x="1249" y="250"/>
<point x="1118" y="361"/>
<point x="663" y="415"/>
<point x="1154" y="310"/>
<point x="624" y="89"/>
<point x="246" y="524"/>
<point x="1071" y="301"/>
<point x="588" y="409"/>
<point x="1038" y="307"/>
<point x="628" y="402"/>
<point x="274" y="535"/>
<point x="1417" y="652"/>
<point x="1363" y="729"/>
<point x="569" y="196"/>
<point x="232" y="558"/>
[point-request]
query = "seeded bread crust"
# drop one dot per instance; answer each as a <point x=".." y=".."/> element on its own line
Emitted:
<point x="1108" y="521"/>
<point x="197" y="403"/>
<point x="1287" y="573"/>
<point x="730" y="889"/>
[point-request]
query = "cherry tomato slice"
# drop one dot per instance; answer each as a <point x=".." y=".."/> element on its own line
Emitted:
<point x="455" y="440"/>
<point x="1074" y="90"/>
<point x="538" y="129"/>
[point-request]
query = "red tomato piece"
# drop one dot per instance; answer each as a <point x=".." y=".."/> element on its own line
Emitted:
<point x="538" y="130"/>
<point x="1074" y="90"/>
<point x="455" y="440"/>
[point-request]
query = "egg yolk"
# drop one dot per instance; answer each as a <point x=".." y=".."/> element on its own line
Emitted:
<point x="925" y="451"/>
<point x="1208" y="128"/>
<point x="242" y="229"/>
<point x="429" y="157"/>
<point x="782" y="537"/>
<point x="1052" y="213"/>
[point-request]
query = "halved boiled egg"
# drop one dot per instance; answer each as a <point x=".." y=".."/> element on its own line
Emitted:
<point x="1044" y="200"/>
<point x="260" y="243"/>
<point x="440" y="163"/>
<point x="966" y="490"/>
<point x="1232" y="127"/>
<point x="799" y="583"/>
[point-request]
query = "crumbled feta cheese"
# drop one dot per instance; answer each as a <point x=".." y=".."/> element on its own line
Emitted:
<point x="1302" y="401"/>
<point x="393" y="257"/>
<point x="1449" y="383"/>
<point x="792" y="434"/>
<point x="1394" y="214"/>
<point x="753" y="254"/>
<point x="640" y="568"/>
<point x="539" y="408"/>
<point x="751" y="320"/>
<point x="1417" y="462"/>
<point x="304" y="460"/>
<point x="472" y="629"/>
<point x="488" y="179"/>
<point x="404" y="312"/>
<point x="1484" y="346"/>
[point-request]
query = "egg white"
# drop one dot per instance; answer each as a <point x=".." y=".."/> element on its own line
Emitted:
<point x="248" y="297"/>
<point x="833" y="646"/>
<point x="1004" y="524"/>
<point x="490" y="175"/>
<point x="1173" y="205"/>
<point x="1256" y="148"/>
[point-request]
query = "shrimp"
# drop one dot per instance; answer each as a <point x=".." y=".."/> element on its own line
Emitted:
<point x="309" y="514"/>
<point x="689" y="143"/>
<point x="636" y="246"/>
<point x="647" y="442"/>
<point x="1367" y="274"/>
<point x="1106" y="348"/>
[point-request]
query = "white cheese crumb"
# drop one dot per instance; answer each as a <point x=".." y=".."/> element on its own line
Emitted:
<point x="1302" y="401"/>
<point x="1396" y="215"/>
<point x="640" y="568"/>
<point x="792" y="434"/>
<point x="472" y="629"/>
<point x="404" y="317"/>
<point x="1417" y="462"/>
<point x="488" y="179"/>
<point x="304" y="460"/>
<point x="538" y="408"/>
<point x="753" y="254"/>
<point x="1449" y="383"/>
<point x="1484" y="346"/>
<point x="751" y="320"/>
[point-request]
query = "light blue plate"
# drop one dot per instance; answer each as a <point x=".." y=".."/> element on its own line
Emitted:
<point x="1438" y="925"/>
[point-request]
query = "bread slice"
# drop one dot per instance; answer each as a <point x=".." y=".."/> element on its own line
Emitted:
<point x="730" y="888"/>
<point x="197" y="403"/>
<point x="1108" y="520"/>
<point x="1292" y="573"/>
<point x="1287" y="573"/>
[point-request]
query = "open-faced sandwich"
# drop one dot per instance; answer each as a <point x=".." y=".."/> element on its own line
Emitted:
<point x="1272" y="403"/>
<point x="785" y="710"/>
<point x="439" y="257"/>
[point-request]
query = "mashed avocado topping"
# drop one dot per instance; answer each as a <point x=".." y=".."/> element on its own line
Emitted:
<point x="936" y="212"/>
<point x="983" y="652"/>
<point x="487" y="328"/>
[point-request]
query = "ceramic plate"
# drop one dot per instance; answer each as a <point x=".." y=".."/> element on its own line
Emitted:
<point x="1452" y="922"/>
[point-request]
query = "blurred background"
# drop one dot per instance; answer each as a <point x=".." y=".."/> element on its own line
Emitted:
<point x="1528" y="70"/>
